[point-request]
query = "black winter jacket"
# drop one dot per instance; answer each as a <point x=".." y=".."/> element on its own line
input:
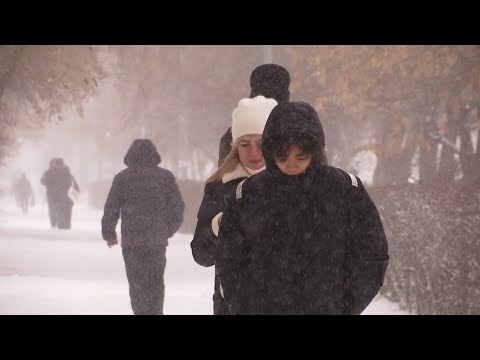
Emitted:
<point x="58" y="181"/>
<point x="322" y="250"/>
<point x="146" y="197"/>
<point x="312" y="243"/>
<point x="204" y="243"/>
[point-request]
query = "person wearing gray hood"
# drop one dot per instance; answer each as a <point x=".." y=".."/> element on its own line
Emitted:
<point x="151" y="206"/>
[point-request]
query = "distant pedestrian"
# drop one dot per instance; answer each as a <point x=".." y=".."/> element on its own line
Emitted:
<point x="23" y="193"/>
<point x="151" y="207"/>
<point x="58" y="180"/>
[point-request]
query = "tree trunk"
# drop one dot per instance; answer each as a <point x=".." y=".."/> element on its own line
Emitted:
<point x="446" y="169"/>
<point x="428" y="155"/>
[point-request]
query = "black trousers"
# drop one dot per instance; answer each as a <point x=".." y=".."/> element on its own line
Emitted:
<point x="53" y="212"/>
<point x="60" y="212"/>
<point x="145" y="269"/>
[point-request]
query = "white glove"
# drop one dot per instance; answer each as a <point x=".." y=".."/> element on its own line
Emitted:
<point x="216" y="223"/>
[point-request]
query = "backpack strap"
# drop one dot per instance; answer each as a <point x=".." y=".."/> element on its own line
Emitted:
<point x="354" y="179"/>
<point x="238" y="192"/>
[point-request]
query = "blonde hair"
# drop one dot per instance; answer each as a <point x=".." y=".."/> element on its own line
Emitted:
<point x="228" y="165"/>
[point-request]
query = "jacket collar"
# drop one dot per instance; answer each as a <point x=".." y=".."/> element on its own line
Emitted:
<point x="238" y="172"/>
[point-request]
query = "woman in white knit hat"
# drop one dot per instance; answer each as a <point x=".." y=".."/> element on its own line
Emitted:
<point x="245" y="159"/>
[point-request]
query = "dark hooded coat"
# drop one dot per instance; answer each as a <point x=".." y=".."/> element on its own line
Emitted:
<point x="312" y="243"/>
<point x="146" y="197"/>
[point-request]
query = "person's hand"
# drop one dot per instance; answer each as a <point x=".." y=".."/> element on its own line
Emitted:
<point x="111" y="243"/>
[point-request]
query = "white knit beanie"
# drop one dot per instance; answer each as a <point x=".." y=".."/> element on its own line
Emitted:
<point x="251" y="115"/>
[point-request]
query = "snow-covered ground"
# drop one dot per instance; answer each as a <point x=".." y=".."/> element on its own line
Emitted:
<point x="51" y="271"/>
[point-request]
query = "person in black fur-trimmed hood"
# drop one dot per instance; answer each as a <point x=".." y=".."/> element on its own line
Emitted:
<point x="245" y="159"/>
<point x="151" y="206"/>
<point x="301" y="237"/>
<point x="269" y="80"/>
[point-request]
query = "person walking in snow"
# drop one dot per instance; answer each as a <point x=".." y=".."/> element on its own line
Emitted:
<point x="23" y="192"/>
<point x="301" y="237"/>
<point x="58" y="180"/>
<point x="245" y="159"/>
<point x="271" y="81"/>
<point x="151" y="207"/>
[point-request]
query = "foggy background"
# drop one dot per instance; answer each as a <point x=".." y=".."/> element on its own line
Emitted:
<point x="405" y="119"/>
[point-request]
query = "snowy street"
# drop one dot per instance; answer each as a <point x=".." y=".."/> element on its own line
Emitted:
<point x="47" y="271"/>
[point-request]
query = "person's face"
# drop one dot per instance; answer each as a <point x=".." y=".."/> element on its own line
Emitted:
<point x="250" y="152"/>
<point x="295" y="163"/>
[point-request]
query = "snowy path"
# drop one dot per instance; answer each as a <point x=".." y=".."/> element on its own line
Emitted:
<point x="45" y="271"/>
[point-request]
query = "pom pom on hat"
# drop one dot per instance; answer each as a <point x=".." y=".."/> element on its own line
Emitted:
<point x="251" y="115"/>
